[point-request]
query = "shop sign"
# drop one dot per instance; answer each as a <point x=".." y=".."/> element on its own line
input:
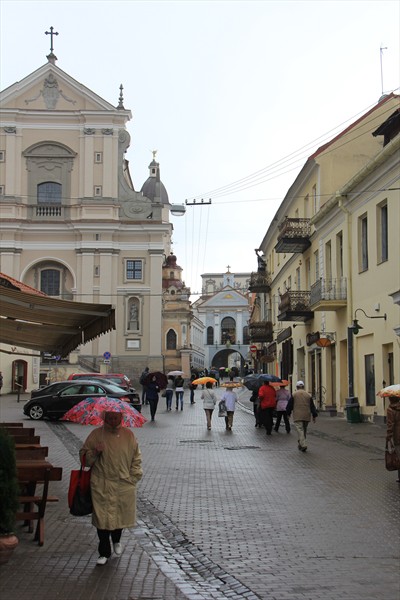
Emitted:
<point x="284" y="335"/>
<point x="312" y="338"/>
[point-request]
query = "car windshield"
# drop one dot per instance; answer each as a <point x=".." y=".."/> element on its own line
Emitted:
<point x="112" y="388"/>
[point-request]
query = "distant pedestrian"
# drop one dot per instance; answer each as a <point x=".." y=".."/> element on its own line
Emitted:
<point x="179" y="383"/>
<point x="229" y="398"/>
<point x="192" y="388"/>
<point x="169" y="392"/>
<point x="1" y="381"/>
<point x="256" y="407"/>
<point x="209" y="401"/>
<point x="113" y="454"/>
<point x="393" y="426"/>
<point x="152" y="396"/>
<point x="282" y="399"/>
<point x="143" y="384"/>
<point x="267" y="396"/>
<point x="303" y="408"/>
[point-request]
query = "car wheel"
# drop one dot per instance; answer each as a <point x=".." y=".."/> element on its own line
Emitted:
<point x="36" y="412"/>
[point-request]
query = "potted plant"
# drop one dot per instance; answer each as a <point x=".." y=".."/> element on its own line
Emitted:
<point x="9" y="491"/>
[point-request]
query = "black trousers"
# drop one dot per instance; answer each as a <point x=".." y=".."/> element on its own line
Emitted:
<point x="267" y="418"/>
<point x="279" y="415"/>
<point x="104" y="535"/>
<point x="153" y="407"/>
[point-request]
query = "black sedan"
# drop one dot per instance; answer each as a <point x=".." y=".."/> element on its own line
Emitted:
<point x="56" y="399"/>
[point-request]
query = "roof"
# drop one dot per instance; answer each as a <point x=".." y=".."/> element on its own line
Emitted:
<point x="31" y="319"/>
<point x="155" y="189"/>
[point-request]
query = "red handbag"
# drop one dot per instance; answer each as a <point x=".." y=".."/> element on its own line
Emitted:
<point x="79" y="494"/>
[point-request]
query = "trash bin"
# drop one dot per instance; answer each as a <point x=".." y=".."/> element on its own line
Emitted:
<point x="353" y="413"/>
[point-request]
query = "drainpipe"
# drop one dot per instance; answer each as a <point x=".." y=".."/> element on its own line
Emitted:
<point x="351" y="399"/>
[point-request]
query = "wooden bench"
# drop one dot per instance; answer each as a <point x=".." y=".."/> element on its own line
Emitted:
<point x="31" y="452"/>
<point x="9" y="424"/>
<point x="21" y="431"/>
<point x="30" y="473"/>
<point x="26" y="439"/>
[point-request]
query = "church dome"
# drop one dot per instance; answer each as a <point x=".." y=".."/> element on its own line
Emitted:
<point x="153" y="188"/>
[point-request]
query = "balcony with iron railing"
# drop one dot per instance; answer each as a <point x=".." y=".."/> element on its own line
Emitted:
<point x="260" y="282"/>
<point x="329" y="294"/>
<point x="261" y="331"/>
<point x="294" y="235"/>
<point x="295" y="306"/>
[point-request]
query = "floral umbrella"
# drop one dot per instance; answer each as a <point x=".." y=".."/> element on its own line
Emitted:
<point x="282" y="383"/>
<point x="232" y="384"/>
<point x="90" y="412"/>
<point x="390" y="390"/>
<point x="204" y="380"/>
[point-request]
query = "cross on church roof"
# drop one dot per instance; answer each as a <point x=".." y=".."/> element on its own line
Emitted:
<point x="51" y="33"/>
<point x="228" y="267"/>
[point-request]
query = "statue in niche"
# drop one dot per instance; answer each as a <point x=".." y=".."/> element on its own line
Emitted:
<point x="133" y="317"/>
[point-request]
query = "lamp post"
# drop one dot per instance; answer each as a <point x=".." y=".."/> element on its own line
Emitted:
<point x="354" y="329"/>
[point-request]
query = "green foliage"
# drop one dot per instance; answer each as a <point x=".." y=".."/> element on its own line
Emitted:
<point x="9" y="489"/>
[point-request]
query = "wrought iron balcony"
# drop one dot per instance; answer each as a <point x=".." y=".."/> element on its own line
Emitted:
<point x="329" y="294"/>
<point x="260" y="281"/>
<point x="295" y="306"/>
<point x="261" y="331"/>
<point x="294" y="235"/>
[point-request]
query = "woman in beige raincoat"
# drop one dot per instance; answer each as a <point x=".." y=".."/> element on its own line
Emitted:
<point x="113" y="453"/>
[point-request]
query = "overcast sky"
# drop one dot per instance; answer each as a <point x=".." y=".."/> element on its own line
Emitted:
<point x="223" y="91"/>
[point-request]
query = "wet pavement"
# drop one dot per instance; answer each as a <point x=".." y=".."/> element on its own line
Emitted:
<point x="236" y="515"/>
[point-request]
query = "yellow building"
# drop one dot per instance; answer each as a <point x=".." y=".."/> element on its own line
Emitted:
<point x="73" y="225"/>
<point x="331" y="255"/>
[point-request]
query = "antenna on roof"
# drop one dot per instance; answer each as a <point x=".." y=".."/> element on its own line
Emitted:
<point x="382" y="48"/>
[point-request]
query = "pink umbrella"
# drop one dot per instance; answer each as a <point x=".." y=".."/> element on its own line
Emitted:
<point x="90" y="412"/>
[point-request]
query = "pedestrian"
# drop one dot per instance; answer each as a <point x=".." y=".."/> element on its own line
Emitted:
<point x="115" y="459"/>
<point x="142" y="381"/>
<point x="393" y="426"/>
<point x="229" y="398"/>
<point x="152" y="396"/>
<point x="303" y="407"/>
<point x="179" y="383"/>
<point x="256" y="407"/>
<point x="282" y="399"/>
<point x="169" y="392"/>
<point x="192" y="388"/>
<point x="209" y="401"/>
<point x="267" y="396"/>
<point x="1" y="381"/>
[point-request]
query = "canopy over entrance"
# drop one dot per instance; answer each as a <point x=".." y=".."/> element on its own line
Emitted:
<point x="30" y="319"/>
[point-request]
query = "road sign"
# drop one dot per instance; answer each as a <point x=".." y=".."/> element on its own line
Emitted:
<point x="253" y="348"/>
<point x="107" y="355"/>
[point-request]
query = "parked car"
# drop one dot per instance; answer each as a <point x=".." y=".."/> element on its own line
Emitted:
<point x="56" y="399"/>
<point x="117" y="378"/>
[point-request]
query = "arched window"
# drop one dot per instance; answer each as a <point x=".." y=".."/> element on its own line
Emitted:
<point x="50" y="282"/>
<point x="246" y="336"/>
<point x="171" y="340"/>
<point x="228" y="330"/>
<point x="49" y="193"/>
<point x="210" y="336"/>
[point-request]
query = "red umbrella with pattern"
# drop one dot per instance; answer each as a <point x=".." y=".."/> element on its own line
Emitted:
<point x="91" y="411"/>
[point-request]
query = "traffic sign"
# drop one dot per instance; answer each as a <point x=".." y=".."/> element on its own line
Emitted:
<point x="107" y="355"/>
<point x="253" y="348"/>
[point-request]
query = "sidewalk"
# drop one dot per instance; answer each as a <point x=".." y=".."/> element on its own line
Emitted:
<point x="224" y="515"/>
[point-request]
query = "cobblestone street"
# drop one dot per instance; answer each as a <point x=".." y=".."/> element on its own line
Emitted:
<point x="225" y="515"/>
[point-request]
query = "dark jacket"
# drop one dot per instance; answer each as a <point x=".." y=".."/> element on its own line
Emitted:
<point x="152" y="391"/>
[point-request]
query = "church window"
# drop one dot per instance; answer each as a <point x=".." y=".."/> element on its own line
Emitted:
<point x="171" y="340"/>
<point x="98" y="157"/>
<point x="49" y="192"/>
<point x="228" y="330"/>
<point x="133" y="269"/>
<point x="98" y="190"/>
<point x="210" y="336"/>
<point x="50" y="282"/>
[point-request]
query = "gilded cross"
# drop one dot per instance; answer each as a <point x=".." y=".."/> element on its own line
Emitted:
<point x="51" y="33"/>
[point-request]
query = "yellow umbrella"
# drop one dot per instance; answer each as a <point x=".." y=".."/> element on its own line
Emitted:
<point x="204" y="380"/>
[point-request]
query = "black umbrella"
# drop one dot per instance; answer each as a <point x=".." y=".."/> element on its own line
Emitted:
<point x="254" y="382"/>
<point x="161" y="379"/>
